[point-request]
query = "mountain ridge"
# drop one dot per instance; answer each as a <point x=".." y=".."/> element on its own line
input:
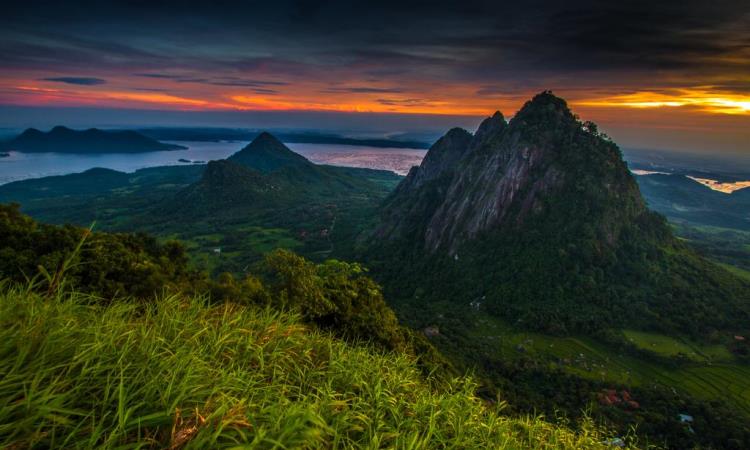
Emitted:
<point x="61" y="139"/>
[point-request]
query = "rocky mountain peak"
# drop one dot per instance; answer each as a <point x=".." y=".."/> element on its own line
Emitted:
<point x="488" y="129"/>
<point x="508" y="172"/>
<point x="442" y="157"/>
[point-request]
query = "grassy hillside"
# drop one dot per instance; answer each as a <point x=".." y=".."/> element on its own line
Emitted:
<point x="182" y="373"/>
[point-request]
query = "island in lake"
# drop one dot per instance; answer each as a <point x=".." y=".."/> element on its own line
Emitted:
<point x="65" y="140"/>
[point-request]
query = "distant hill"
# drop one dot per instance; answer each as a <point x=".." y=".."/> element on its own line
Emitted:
<point x="265" y="196"/>
<point x="682" y="199"/>
<point x="264" y="176"/>
<point x="266" y="154"/>
<point x="65" y="140"/>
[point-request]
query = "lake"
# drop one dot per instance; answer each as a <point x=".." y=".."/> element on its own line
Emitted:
<point x="19" y="166"/>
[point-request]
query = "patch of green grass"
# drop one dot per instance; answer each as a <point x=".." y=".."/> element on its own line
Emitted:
<point x="729" y="382"/>
<point x="712" y="374"/>
<point x="671" y="346"/>
<point x="264" y="240"/>
<point x="182" y="373"/>
<point x="742" y="273"/>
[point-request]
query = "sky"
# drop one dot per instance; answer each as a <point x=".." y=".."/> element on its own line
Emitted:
<point x="653" y="74"/>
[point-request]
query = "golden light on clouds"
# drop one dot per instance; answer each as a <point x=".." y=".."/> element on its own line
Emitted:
<point x="164" y="99"/>
<point x="703" y="99"/>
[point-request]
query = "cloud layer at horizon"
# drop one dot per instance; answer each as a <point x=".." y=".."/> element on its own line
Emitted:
<point x="685" y="61"/>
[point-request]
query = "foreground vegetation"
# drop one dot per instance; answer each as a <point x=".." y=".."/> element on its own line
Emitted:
<point x="103" y="349"/>
<point x="180" y="372"/>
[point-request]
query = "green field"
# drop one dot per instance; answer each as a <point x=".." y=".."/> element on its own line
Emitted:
<point x="707" y="372"/>
<point x="736" y="270"/>
<point x="670" y="346"/>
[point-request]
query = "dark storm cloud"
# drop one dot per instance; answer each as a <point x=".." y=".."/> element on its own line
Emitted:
<point x="158" y="75"/>
<point x="222" y="81"/>
<point x="81" y="81"/>
<point x="228" y="81"/>
<point x="488" y="42"/>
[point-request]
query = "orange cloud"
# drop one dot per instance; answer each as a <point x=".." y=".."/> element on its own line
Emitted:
<point x="164" y="99"/>
<point x="703" y="99"/>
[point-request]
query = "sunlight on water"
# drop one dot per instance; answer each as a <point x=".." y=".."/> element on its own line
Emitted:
<point x="727" y="188"/>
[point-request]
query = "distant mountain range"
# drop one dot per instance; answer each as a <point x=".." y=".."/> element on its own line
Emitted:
<point x="292" y="137"/>
<point x="65" y="140"/>
<point x="682" y="199"/>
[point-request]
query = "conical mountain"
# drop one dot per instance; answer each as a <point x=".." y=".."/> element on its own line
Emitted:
<point x="267" y="154"/>
<point x="262" y="176"/>
<point x="542" y="218"/>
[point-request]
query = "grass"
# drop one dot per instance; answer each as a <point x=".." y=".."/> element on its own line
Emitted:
<point x="671" y="346"/>
<point x="183" y="373"/>
<point x="265" y="240"/>
<point x="740" y="272"/>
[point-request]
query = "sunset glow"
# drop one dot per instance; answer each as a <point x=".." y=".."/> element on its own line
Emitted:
<point x="307" y="98"/>
<point x="704" y="100"/>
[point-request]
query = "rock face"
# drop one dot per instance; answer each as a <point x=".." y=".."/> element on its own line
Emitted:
<point x="441" y="159"/>
<point x="505" y="172"/>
